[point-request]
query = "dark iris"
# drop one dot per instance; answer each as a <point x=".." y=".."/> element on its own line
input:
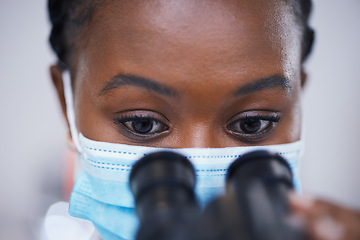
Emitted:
<point x="250" y="125"/>
<point x="142" y="126"/>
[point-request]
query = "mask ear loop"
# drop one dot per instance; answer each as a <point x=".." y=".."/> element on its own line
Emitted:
<point x="302" y="135"/>
<point x="69" y="100"/>
<point x="298" y="190"/>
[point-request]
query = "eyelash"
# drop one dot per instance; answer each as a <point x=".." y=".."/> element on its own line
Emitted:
<point x="272" y="118"/>
<point x="133" y="117"/>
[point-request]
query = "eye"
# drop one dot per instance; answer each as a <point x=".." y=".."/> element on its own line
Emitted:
<point x="145" y="126"/>
<point x="253" y="127"/>
<point x="141" y="124"/>
<point x="250" y="125"/>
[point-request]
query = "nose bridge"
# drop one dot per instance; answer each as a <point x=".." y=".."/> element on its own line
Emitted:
<point x="200" y="124"/>
<point x="201" y="136"/>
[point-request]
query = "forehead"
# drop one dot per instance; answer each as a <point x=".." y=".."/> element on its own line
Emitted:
<point x="184" y="37"/>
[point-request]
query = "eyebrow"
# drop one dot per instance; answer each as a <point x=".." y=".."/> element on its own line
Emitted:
<point x="137" y="81"/>
<point x="264" y="84"/>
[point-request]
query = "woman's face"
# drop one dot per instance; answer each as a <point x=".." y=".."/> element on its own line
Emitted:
<point x="188" y="73"/>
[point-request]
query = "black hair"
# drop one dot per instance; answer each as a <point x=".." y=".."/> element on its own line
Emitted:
<point x="68" y="17"/>
<point x="302" y="10"/>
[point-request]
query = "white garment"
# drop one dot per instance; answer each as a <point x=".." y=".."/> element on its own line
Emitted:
<point x="59" y="225"/>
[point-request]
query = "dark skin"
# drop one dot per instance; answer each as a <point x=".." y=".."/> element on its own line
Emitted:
<point x="184" y="74"/>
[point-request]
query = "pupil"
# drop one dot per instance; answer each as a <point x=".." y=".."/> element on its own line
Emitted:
<point x="142" y="126"/>
<point x="250" y="125"/>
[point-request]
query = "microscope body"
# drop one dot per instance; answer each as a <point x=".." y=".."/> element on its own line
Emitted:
<point x="254" y="206"/>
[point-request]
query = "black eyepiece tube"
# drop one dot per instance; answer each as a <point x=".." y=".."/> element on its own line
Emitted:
<point x="260" y="182"/>
<point x="163" y="186"/>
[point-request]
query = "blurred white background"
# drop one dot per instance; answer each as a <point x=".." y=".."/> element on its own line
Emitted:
<point x="32" y="131"/>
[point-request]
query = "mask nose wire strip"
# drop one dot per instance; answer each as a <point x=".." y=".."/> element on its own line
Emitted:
<point x="69" y="100"/>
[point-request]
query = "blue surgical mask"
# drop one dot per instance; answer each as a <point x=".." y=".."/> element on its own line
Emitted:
<point x="101" y="192"/>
